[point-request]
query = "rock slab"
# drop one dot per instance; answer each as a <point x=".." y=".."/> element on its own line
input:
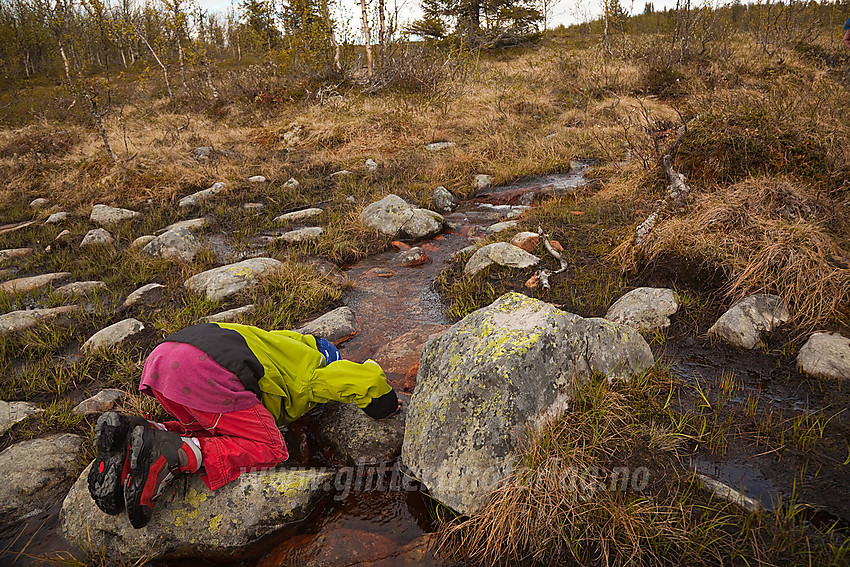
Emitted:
<point x="393" y="216"/>
<point x="357" y="438"/>
<point x="745" y="322"/>
<point x="298" y="215"/>
<point x="13" y="412"/>
<point x="225" y="281"/>
<point x="114" y="335"/>
<point x="148" y="294"/>
<point x="825" y="355"/>
<point x="176" y="244"/>
<point x="644" y="308"/>
<point x="34" y="283"/>
<point x="29" y="318"/>
<point x="103" y="401"/>
<point x="97" y="237"/>
<point x="333" y="326"/>
<point x="501" y="253"/>
<point x="111" y="216"/>
<point x="504" y="368"/>
<point x="197" y="198"/>
<point x="81" y="289"/>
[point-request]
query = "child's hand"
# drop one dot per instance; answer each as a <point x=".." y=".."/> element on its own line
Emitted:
<point x="396" y="410"/>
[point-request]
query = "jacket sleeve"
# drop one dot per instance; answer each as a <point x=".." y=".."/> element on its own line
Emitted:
<point x="364" y="384"/>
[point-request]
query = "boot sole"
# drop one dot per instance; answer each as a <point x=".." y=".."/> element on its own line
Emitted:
<point x="105" y="475"/>
<point x="138" y="514"/>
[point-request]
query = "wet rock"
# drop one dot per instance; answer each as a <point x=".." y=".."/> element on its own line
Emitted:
<point x="334" y="325"/>
<point x="103" y="401"/>
<point x="176" y="244"/>
<point x="380" y="272"/>
<point x="148" y="294"/>
<point x="225" y="281"/>
<point x="197" y="198"/>
<point x="357" y="438"/>
<point x="56" y="218"/>
<point x="13" y="412"/>
<point x="191" y="521"/>
<point x="81" y="289"/>
<point x="256" y="179"/>
<point x="142" y="241"/>
<point x="371" y="165"/>
<point x="728" y="494"/>
<point x="196" y="225"/>
<point x="743" y="324"/>
<point x="34" y="283"/>
<point x="292" y="184"/>
<point x="231" y="315"/>
<point x="114" y="335"/>
<point x="502" y="369"/>
<point x="393" y="216"/>
<point x="644" y="308"/>
<point x="528" y="241"/>
<point x="443" y="200"/>
<point x="329" y="271"/>
<point x="302" y="234"/>
<point x="412" y="257"/>
<point x="39" y="203"/>
<point x="500" y="253"/>
<point x="27" y="319"/>
<point x="400" y="357"/>
<point x="112" y="216"/>
<point x="98" y="237"/>
<point x="14" y="254"/>
<point x="437" y="146"/>
<point x="825" y="355"/>
<point x="36" y="474"/>
<point x="298" y="215"/>
<point x="482" y="181"/>
<point x="501" y="226"/>
<point x="340" y="547"/>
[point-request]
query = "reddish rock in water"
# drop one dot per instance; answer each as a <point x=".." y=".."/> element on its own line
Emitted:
<point x="528" y="241"/>
<point x="400" y="357"/>
<point x="413" y="257"/>
<point x="379" y="272"/>
<point x="342" y="547"/>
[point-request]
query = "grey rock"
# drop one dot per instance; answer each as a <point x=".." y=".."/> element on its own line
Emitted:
<point x="148" y="294"/>
<point x="142" y="241"/>
<point x="111" y="216"/>
<point x="253" y="206"/>
<point x="57" y="217"/>
<point x="197" y="198"/>
<point x="357" y="438"/>
<point x="190" y="224"/>
<point x="463" y="252"/>
<point x="39" y="203"/>
<point x="96" y="238"/>
<point x="500" y="226"/>
<point x="412" y="257"/>
<point x="334" y="325"/>
<point x="36" y="474"/>
<point x="103" y="401"/>
<point x="176" y="244"/>
<point x="437" y="146"/>
<point x="292" y="184"/>
<point x="225" y="281"/>
<point x="191" y="521"/>
<point x="393" y="216"/>
<point x="203" y="153"/>
<point x="644" y="308"/>
<point x="825" y="355"/>
<point x="423" y="223"/>
<point x="256" y="179"/>
<point x="13" y="412"/>
<point x="743" y="324"/>
<point x="443" y="200"/>
<point x="302" y="234"/>
<point x="482" y="181"/>
<point x="371" y="165"/>
<point x="501" y="253"/>
<point x="14" y="253"/>
<point x="298" y="215"/>
<point x="81" y="289"/>
<point x="114" y="335"/>
<point x="27" y="319"/>
<point x="729" y="494"/>
<point x="230" y="315"/>
<point x="501" y="370"/>
<point x="34" y="283"/>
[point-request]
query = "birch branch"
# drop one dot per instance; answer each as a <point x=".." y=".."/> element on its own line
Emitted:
<point x="677" y="193"/>
<point x="551" y="250"/>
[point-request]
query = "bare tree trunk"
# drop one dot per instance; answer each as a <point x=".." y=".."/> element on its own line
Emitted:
<point x="382" y="38"/>
<point x="158" y="61"/>
<point x="367" y="37"/>
<point x="182" y="63"/>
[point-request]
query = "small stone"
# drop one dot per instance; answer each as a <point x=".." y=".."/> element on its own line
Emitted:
<point x="142" y="241"/>
<point x="114" y="335"/>
<point x="197" y="198"/>
<point x="298" y="215"/>
<point x="64" y="236"/>
<point x="825" y="355"/>
<point x="203" y="154"/>
<point x="189" y="224"/>
<point x="371" y="165"/>
<point x="528" y="241"/>
<point x="644" y="308"/>
<point x="482" y="181"/>
<point x="103" y="401"/>
<point x="230" y="315"/>
<point x="35" y="283"/>
<point x="437" y="146"/>
<point x="500" y="253"/>
<point x="412" y="257"/>
<point x="256" y="179"/>
<point x="333" y="326"/>
<point x="81" y="289"/>
<point x="97" y="237"/>
<point x="14" y="253"/>
<point x="302" y="234"/>
<point x="500" y="226"/>
<point x="29" y="318"/>
<point x="350" y="199"/>
<point x="13" y="412"/>
<point x="341" y="173"/>
<point x="220" y="283"/>
<point x="443" y="200"/>
<point x="744" y="323"/>
<point x="146" y="295"/>
<point x="111" y="216"/>
<point x="39" y="203"/>
<point x="176" y="244"/>
<point x="292" y="184"/>
<point x="253" y="206"/>
<point x="56" y="217"/>
<point x="380" y="272"/>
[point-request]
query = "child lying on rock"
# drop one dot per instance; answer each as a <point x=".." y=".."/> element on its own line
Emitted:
<point x="227" y="386"/>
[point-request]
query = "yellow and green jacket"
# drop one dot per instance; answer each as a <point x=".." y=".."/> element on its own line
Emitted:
<point x="287" y="372"/>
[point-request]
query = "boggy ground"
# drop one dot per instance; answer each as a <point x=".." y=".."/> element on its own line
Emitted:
<point x="766" y="147"/>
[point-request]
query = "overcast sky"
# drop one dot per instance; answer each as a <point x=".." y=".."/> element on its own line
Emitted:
<point x="566" y="12"/>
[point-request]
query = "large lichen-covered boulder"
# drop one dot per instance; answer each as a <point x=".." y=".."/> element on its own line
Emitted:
<point x="356" y="438"/>
<point x="393" y="216"/>
<point x="190" y="520"/>
<point x="225" y="281"/>
<point x="502" y="369"/>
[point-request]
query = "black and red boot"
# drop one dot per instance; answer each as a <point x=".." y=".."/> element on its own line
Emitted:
<point x="156" y="457"/>
<point x="106" y="477"/>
